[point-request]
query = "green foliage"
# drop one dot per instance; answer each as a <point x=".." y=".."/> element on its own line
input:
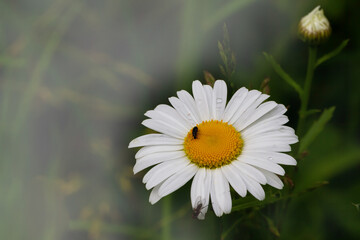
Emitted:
<point x="330" y="165"/>
<point x="272" y="228"/>
<point x="226" y="10"/>
<point x="316" y="128"/>
<point x="273" y="196"/>
<point x="283" y="75"/>
<point x="332" y="53"/>
<point x="228" y="57"/>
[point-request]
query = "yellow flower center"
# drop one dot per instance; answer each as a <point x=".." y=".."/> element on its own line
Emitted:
<point x="213" y="144"/>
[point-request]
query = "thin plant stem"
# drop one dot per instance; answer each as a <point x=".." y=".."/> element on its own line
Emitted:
<point x="166" y="211"/>
<point x="306" y="93"/>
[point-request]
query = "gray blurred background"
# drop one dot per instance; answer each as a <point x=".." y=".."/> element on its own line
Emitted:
<point x="77" y="76"/>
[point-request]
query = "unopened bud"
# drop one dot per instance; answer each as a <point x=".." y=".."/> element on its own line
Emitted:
<point x="314" y="28"/>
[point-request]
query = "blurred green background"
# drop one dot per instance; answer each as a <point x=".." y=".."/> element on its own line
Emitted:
<point x="77" y="76"/>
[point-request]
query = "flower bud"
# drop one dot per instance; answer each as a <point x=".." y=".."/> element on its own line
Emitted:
<point x="314" y="28"/>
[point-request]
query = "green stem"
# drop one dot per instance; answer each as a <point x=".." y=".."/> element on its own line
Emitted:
<point x="166" y="211"/>
<point x="306" y="93"/>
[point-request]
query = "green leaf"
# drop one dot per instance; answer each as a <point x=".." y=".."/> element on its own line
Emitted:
<point x="357" y="206"/>
<point x="332" y="53"/>
<point x="312" y="111"/>
<point x="273" y="229"/>
<point x="316" y="128"/>
<point x="226" y="233"/>
<point x="329" y="166"/>
<point x="272" y="197"/>
<point x="227" y="9"/>
<point x="278" y="69"/>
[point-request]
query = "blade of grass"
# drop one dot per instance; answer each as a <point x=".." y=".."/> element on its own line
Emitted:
<point x="316" y="129"/>
<point x="332" y="54"/>
<point x="42" y="64"/>
<point x="189" y="44"/>
<point x="278" y="69"/>
<point x="331" y="165"/>
<point x="225" y="234"/>
<point x="241" y="205"/>
<point x="224" y="12"/>
<point x="166" y="214"/>
<point x="132" y="231"/>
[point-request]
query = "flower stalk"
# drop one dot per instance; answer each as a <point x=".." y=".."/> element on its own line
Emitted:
<point x="166" y="213"/>
<point x="307" y="88"/>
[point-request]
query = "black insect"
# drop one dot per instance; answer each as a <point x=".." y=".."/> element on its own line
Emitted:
<point x="197" y="211"/>
<point x="194" y="132"/>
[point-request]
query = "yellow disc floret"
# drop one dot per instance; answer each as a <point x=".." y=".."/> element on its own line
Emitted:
<point x="213" y="144"/>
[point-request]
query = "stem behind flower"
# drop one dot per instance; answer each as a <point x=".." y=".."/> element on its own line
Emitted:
<point x="307" y="87"/>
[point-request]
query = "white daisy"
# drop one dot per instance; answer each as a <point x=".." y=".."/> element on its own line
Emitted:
<point x="238" y="144"/>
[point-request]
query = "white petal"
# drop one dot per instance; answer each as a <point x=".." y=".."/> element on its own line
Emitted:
<point x="278" y="130"/>
<point x="267" y="146"/>
<point x="262" y="163"/>
<point x="234" y="103"/>
<point x="250" y="111"/>
<point x="207" y="188"/>
<point x="246" y="103"/>
<point x="200" y="191"/>
<point x="177" y="180"/>
<point x="209" y="95"/>
<point x="156" y="158"/>
<point x="272" y="179"/>
<point x="268" y="143"/>
<point x="201" y="100"/>
<point x="166" y="113"/>
<point x="155" y="149"/>
<point x="277" y="111"/>
<point x="165" y="128"/>
<point x="219" y="99"/>
<point x="184" y="111"/>
<point x="259" y="112"/>
<point x="155" y="139"/>
<point x="250" y="171"/>
<point x="154" y="195"/>
<point x="162" y="171"/>
<point x="214" y="201"/>
<point x="197" y="187"/>
<point x="254" y="188"/>
<point x="279" y="158"/>
<point x="221" y="191"/>
<point x="234" y="179"/>
<point x="189" y="101"/>
<point x="274" y="138"/>
<point x="265" y="126"/>
<point x="282" y="133"/>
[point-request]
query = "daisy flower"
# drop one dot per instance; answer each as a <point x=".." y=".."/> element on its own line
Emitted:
<point x="238" y="144"/>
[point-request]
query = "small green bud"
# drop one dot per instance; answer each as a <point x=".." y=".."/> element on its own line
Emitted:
<point x="314" y="28"/>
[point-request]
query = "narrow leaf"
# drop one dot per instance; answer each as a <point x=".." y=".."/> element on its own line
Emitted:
<point x="316" y="128"/>
<point x="226" y="233"/>
<point x="332" y="164"/>
<point x="312" y="111"/>
<point x="278" y="69"/>
<point x="332" y="54"/>
<point x="273" y="229"/>
<point x="249" y="202"/>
